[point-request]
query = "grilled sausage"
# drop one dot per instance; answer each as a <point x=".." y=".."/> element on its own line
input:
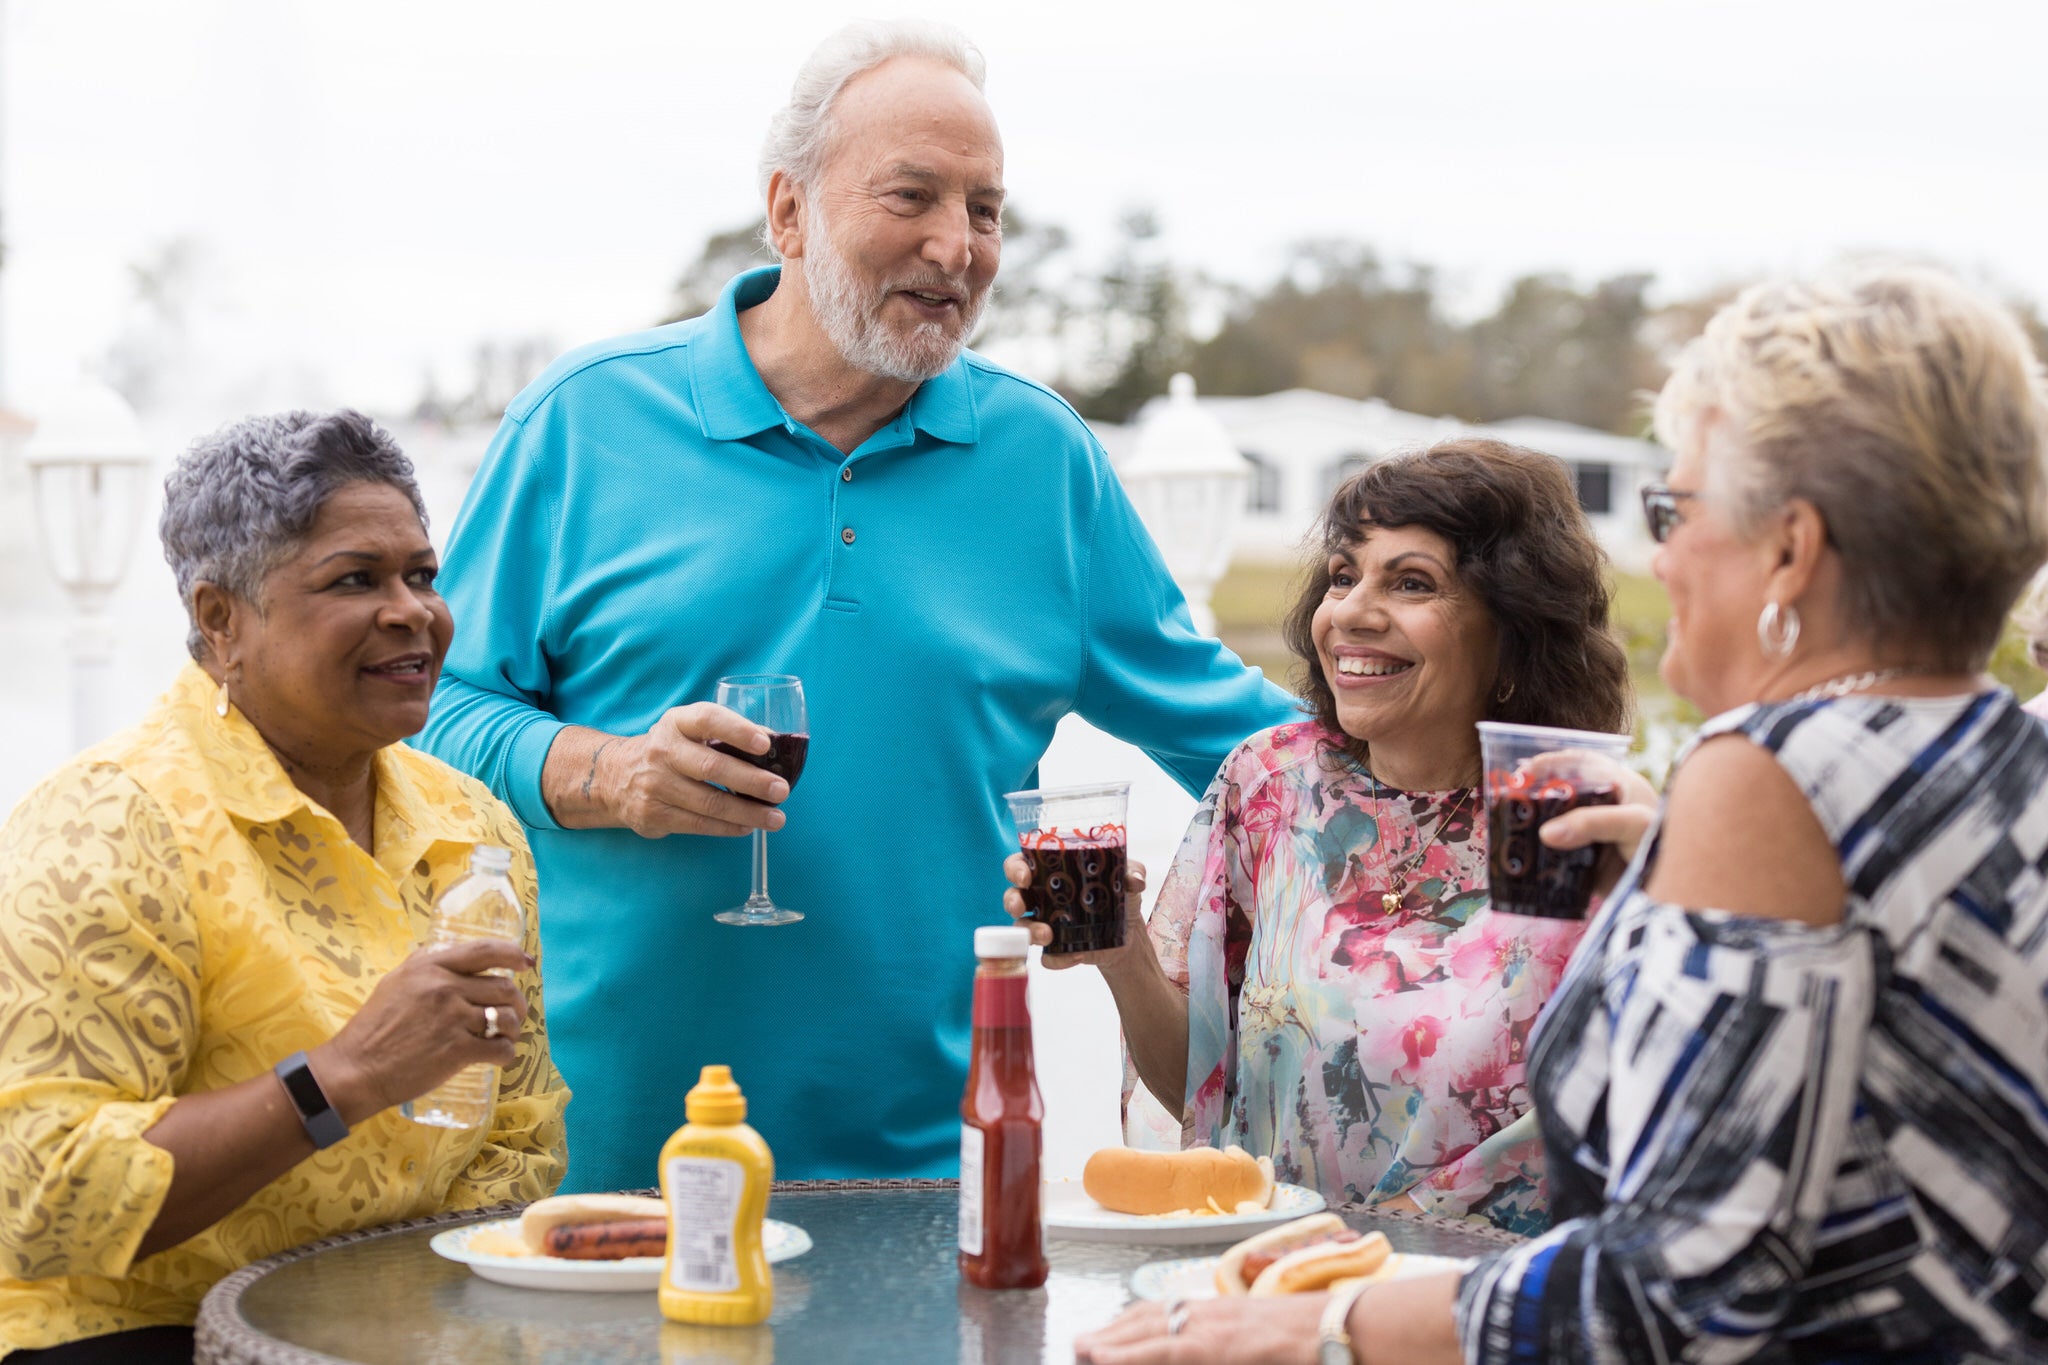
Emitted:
<point x="613" y="1241"/>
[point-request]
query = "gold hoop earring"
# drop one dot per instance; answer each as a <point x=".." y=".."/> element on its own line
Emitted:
<point x="220" y="700"/>
<point x="1501" y="695"/>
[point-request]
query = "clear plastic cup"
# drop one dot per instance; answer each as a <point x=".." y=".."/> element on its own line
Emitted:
<point x="1075" y="840"/>
<point x="1535" y="773"/>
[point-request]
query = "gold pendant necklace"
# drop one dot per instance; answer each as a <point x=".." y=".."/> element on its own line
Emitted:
<point x="1396" y="892"/>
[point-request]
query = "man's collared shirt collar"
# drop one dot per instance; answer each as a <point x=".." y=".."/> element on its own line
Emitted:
<point x="733" y="402"/>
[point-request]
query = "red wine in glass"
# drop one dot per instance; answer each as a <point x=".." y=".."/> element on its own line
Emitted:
<point x="785" y="757"/>
<point x="775" y="702"/>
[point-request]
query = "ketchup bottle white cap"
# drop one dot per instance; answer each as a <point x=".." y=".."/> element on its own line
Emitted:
<point x="1002" y="940"/>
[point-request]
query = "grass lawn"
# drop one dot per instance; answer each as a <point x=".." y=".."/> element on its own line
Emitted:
<point x="1248" y="604"/>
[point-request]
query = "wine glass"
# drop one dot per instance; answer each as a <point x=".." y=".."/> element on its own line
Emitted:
<point x="775" y="702"/>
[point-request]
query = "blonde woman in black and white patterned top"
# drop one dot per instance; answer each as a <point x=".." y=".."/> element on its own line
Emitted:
<point x="1794" y="1088"/>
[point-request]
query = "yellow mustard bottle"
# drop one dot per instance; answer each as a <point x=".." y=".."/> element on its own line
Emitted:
<point x="715" y="1174"/>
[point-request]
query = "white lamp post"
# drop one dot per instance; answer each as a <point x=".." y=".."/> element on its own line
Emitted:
<point x="1187" y="480"/>
<point x="90" y="468"/>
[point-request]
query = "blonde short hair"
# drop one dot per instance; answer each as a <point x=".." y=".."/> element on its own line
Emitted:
<point x="1912" y="414"/>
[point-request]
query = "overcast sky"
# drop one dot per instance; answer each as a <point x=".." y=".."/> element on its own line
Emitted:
<point x="379" y="185"/>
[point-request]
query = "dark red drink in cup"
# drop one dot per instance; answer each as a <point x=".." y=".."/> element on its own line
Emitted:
<point x="1077" y="887"/>
<point x="1533" y="775"/>
<point x="1075" y="841"/>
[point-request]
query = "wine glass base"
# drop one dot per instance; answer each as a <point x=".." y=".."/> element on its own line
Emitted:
<point x="758" y="915"/>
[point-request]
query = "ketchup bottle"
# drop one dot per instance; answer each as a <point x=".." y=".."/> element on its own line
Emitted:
<point x="1001" y="1243"/>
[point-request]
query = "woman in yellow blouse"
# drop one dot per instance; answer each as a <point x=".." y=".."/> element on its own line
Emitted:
<point x="211" y="1000"/>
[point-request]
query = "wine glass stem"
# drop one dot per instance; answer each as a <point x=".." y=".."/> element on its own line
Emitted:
<point x="760" y="896"/>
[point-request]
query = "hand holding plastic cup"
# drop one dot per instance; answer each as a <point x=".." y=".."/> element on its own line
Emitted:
<point x="1074" y="839"/>
<point x="1533" y="774"/>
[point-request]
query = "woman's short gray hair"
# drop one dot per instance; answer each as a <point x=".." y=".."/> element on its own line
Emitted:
<point x="801" y="131"/>
<point x="1912" y="413"/>
<point x="241" y="501"/>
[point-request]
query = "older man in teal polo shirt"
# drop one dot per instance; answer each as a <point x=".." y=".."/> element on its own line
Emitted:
<point x="813" y="478"/>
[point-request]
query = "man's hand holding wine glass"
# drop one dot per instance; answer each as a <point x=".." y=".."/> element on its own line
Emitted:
<point x="668" y="780"/>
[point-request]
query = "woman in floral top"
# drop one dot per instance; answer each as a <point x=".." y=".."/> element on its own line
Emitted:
<point x="1328" y="986"/>
<point x="1373" y="1053"/>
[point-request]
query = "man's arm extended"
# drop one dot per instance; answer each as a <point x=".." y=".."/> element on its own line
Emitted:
<point x="1151" y="680"/>
<point x="490" y="716"/>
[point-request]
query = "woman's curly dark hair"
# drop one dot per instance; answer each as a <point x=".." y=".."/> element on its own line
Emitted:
<point x="1523" y="548"/>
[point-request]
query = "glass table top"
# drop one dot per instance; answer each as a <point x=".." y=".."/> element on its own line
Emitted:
<point x="880" y="1285"/>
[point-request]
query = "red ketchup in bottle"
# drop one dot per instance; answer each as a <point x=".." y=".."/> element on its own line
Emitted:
<point x="1001" y="1243"/>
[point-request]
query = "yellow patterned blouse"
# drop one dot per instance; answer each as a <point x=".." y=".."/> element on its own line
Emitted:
<point x="176" y="916"/>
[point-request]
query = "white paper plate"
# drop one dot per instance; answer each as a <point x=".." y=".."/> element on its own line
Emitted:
<point x="635" y="1274"/>
<point x="1071" y="1214"/>
<point x="1194" y="1277"/>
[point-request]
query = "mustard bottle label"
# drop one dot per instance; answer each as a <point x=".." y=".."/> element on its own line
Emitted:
<point x="703" y="1207"/>
<point x="972" y="1143"/>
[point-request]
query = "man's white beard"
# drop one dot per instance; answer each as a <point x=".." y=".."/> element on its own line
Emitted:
<point x="853" y="322"/>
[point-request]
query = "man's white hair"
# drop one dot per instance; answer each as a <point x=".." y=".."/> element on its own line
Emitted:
<point x="801" y="131"/>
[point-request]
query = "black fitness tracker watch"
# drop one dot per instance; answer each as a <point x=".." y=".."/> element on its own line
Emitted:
<point x="323" y="1125"/>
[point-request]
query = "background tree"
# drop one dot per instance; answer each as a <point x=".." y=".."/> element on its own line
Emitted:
<point x="1137" y="322"/>
<point x="144" y="361"/>
<point x="1031" y="299"/>
<point x="498" y="370"/>
<point x="1339" y="320"/>
<point x="724" y="255"/>
<point x="1551" y="351"/>
<point x="1336" y="317"/>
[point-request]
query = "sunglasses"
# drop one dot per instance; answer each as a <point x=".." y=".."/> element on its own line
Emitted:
<point x="1660" y="509"/>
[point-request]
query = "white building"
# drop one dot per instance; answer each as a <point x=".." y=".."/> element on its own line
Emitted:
<point x="1300" y="444"/>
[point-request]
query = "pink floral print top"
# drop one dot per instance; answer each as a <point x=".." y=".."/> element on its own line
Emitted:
<point x="1368" y="1053"/>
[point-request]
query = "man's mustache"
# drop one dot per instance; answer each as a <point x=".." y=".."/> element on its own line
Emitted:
<point x="935" y="284"/>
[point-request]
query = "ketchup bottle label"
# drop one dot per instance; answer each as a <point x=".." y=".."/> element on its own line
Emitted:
<point x="971" y="1144"/>
<point x="703" y="1203"/>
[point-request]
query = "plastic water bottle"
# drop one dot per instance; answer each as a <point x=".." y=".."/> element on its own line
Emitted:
<point x="480" y="905"/>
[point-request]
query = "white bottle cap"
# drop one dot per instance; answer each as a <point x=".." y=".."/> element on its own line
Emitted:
<point x="489" y="858"/>
<point x="1002" y="940"/>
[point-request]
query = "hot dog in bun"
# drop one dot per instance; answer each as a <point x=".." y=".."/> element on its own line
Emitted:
<point x="1201" y="1180"/>
<point x="1300" y="1257"/>
<point x="595" y="1227"/>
